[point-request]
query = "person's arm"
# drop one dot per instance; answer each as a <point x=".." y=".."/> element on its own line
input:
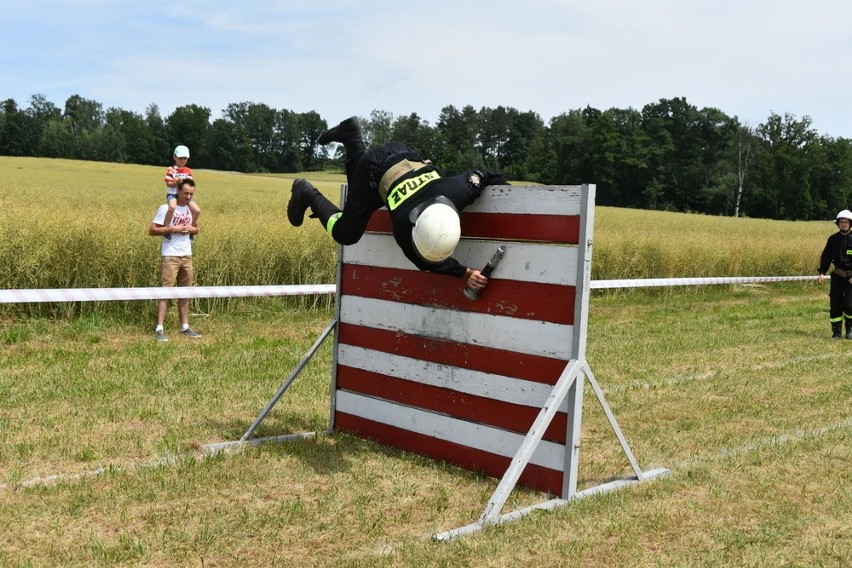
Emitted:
<point x="170" y="179"/>
<point x="824" y="261"/>
<point x="451" y="267"/>
<point x="157" y="230"/>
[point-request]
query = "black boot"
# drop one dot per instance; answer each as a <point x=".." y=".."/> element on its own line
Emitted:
<point x="835" y="327"/>
<point x="347" y="133"/>
<point x="301" y="198"/>
<point x="848" y="329"/>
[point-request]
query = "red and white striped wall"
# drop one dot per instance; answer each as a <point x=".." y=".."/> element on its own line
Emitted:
<point x="419" y="366"/>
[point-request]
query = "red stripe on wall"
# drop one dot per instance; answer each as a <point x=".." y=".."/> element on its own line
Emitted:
<point x="534" y="476"/>
<point x="512" y="298"/>
<point x="505" y="415"/>
<point x="478" y="358"/>
<point x="563" y="229"/>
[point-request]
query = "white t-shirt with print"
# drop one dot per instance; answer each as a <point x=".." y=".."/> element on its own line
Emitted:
<point x="179" y="244"/>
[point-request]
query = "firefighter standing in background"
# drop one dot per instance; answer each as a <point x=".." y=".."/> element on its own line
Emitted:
<point x="838" y="251"/>
<point x="424" y="206"/>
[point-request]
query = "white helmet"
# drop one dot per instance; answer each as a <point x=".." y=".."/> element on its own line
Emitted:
<point x="845" y="214"/>
<point x="436" y="232"/>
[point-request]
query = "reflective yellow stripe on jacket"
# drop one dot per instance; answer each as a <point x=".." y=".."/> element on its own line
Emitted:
<point x="409" y="187"/>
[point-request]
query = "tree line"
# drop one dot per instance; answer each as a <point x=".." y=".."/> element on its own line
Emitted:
<point x="670" y="155"/>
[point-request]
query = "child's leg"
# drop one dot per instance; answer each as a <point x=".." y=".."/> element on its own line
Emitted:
<point x="172" y="203"/>
<point x="196" y="212"/>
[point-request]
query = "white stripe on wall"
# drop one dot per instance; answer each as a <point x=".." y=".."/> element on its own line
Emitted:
<point x="459" y="379"/>
<point x="470" y="434"/>
<point x="511" y="334"/>
<point x="527" y="262"/>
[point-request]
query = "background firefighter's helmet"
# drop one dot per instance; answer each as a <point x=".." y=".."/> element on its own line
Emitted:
<point x="845" y="214"/>
<point x="436" y="232"/>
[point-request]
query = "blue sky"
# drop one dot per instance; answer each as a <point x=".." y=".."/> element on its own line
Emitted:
<point x="748" y="58"/>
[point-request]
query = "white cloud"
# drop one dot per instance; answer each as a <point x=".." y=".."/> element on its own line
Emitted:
<point x="341" y="58"/>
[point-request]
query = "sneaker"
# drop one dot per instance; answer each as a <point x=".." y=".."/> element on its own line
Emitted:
<point x="300" y="200"/>
<point x="160" y="335"/>
<point x="189" y="332"/>
<point x="167" y="237"/>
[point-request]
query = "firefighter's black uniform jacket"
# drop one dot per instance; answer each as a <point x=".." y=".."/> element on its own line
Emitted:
<point x="364" y="173"/>
<point x="838" y="251"/>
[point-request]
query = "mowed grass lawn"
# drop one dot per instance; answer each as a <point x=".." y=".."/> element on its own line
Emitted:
<point x="737" y="390"/>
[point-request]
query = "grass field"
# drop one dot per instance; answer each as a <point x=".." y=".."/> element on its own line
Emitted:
<point x="737" y="390"/>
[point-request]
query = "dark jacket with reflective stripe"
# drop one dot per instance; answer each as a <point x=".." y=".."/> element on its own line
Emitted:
<point x="458" y="189"/>
<point x="363" y="199"/>
<point x="838" y="250"/>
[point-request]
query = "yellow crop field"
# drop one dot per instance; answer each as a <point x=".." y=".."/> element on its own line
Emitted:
<point x="84" y="224"/>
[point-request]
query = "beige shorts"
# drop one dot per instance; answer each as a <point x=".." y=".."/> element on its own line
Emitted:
<point x="176" y="270"/>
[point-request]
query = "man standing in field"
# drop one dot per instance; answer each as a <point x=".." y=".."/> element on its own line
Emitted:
<point x="838" y="251"/>
<point x="176" y="255"/>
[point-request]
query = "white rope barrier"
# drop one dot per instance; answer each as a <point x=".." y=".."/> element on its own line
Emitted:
<point x="652" y="282"/>
<point x="160" y="293"/>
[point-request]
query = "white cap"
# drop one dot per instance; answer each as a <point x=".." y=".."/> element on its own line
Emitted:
<point x="181" y="152"/>
<point x="436" y="232"/>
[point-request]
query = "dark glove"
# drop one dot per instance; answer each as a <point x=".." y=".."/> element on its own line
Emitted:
<point x="493" y="179"/>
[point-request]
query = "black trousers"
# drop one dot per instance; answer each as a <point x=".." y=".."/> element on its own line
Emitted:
<point x="839" y="298"/>
<point x="363" y="172"/>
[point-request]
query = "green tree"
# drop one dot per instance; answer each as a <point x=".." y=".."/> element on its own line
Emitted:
<point x="157" y="128"/>
<point x="301" y="136"/>
<point x="783" y="169"/>
<point x="83" y="115"/>
<point x="671" y="125"/>
<point x="84" y="118"/>
<point x="416" y="133"/>
<point x="456" y="149"/>
<point x="606" y="157"/>
<point x="378" y="129"/>
<point x="255" y="125"/>
<point x="525" y="129"/>
<point x="569" y="138"/>
<point x="746" y="146"/>
<point x="16" y="131"/>
<point x="495" y="126"/>
<point x="224" y="148"/>
<point x="42" y="112"/>
<point x="715" y="177"/>
<point x="138" y="144"/>
<point x="190" y="125"/>
<point x="830" y="176"/>
<point x="56" y="140"/>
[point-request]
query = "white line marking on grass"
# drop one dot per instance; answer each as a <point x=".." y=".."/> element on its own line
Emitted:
<point x="60" y="477"/>
<point x="678" y="379"/>
<point x="724" y="453"/>
<point x="207" y="451"/>
<point x="777" y="440"/>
